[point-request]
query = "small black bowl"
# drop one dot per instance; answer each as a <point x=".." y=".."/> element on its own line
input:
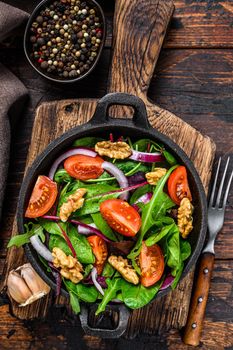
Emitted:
<point x="28" y="48"/>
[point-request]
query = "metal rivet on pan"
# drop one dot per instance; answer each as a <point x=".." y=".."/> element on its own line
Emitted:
<point x="205" y="271"/>
<point x="200" y="300"/>
<point x="194" y="325"/>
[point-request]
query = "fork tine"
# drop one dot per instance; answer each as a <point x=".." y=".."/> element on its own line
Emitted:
<point x="227" y="191"/>
<point x="222" y="183"/>
<point x="215" y="183"/>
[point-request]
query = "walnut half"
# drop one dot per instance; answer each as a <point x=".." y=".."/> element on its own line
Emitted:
<point x="74" y="202"/>
<point x="185" y="219"/>
<point x="154" y="176"/>
<point x="117" y="150"/>
<point x="70" y="266"/>
<point x="126" y="270"/>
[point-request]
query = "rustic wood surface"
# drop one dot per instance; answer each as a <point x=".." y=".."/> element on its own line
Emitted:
<point x="193" y="83"/>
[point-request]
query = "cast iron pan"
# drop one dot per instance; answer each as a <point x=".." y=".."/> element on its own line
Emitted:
<point x="101" y="125"/>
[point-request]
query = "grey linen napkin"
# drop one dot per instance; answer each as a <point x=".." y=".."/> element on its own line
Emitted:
<point x="13" y="93"/>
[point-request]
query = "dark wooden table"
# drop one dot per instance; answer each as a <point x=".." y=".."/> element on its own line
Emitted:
<point x="194" y="80"/>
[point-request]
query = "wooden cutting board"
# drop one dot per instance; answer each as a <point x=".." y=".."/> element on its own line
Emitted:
<point x="139" y="30"/>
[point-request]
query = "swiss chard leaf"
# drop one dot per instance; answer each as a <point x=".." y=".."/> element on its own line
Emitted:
<point x="103" y="226"/>
<point x="31" y="230"/>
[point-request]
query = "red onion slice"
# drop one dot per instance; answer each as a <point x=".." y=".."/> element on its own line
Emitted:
<point x="167" y="282"/>
<point x="86" y="230"/>
<point x="119" y="175"/>
<point x="94" y="279"/>
<point x="71" y="152"/>
<point x="145" y="198"/>
<point x="146" y="157"/>
<point x="41" y="248"/>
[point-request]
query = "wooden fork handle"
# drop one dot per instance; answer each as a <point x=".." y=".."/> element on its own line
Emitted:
<point x="193" y="328"/>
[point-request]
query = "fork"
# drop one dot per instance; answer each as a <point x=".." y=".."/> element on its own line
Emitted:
<point x="216" y="213"/>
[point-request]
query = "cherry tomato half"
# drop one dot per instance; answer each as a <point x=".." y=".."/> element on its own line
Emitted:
<point x="178" y="186"/>
<point x="151" y="261"/>
<point x="84" y="167"/>
<point x="42" y="198"/>
<point x="100" y="251"/>
<point x="121" y="216"/>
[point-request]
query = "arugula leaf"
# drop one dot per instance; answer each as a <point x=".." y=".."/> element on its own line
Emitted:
<point x="62" y="176"/>
<point x="156" y="237"/>
<point x="89" y="294"/>
<point x="103" y="226"/>
<point x="74" y="303"/>
<point x="79" y="242"/>
<point x="169" y="158"/>
<point x="152" y="211"/>
<point x="137" y="296"/>
<point x="31" y="230"/>
<point x="114" y="286"/>
<point x="87" y="270"/>
<point x="139" y="192"/>
<point x="87" y="141"/>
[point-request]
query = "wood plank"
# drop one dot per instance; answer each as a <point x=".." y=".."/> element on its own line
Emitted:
<point x="195" y="24"/>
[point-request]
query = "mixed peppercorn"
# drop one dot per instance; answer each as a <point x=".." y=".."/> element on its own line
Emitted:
<point x="66" y="37"/>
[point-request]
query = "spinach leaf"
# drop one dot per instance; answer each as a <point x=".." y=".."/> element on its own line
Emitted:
<point x="130" y="165"/>
<point x="92" y="205"/>
<point x="152" y="211"/>
<point x="93" y="196"/>
<point x="114" y="286"/>
<point x="156" y="237"/>
<point x="62" y="176"/>
<point x="103" y="226"/>
<point x="89" y="294"/>
<point x="87" y="142"/>
<point x="108" y="270"/>
<point x="139" y="192"/>
<point x="185" y="249"/>
<point x="79" y="242"/>
<point x="31" y="230"/>
<point x="74" y="303"/>
<point x="142" y="145"/>
<point x="137" y="296"/>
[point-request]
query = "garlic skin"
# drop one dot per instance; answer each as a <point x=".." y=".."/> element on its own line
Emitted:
<point x="25" y="286"/>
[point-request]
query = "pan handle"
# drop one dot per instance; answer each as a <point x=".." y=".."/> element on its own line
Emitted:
<point x="101" y="115"/>
<point x="123" y="317"/>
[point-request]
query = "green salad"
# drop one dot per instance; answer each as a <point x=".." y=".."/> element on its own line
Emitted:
<point x="110" y="221"/>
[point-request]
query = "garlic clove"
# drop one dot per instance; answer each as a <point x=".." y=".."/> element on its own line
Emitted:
<point x="17" y="288"/>
<point x="25" y="286"/>
<point x="33" y="298"/>
<point x="33" y="280"/>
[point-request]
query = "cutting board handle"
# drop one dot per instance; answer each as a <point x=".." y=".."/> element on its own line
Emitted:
<point x="101" y="115"/>
<point x="139" y="30"/>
